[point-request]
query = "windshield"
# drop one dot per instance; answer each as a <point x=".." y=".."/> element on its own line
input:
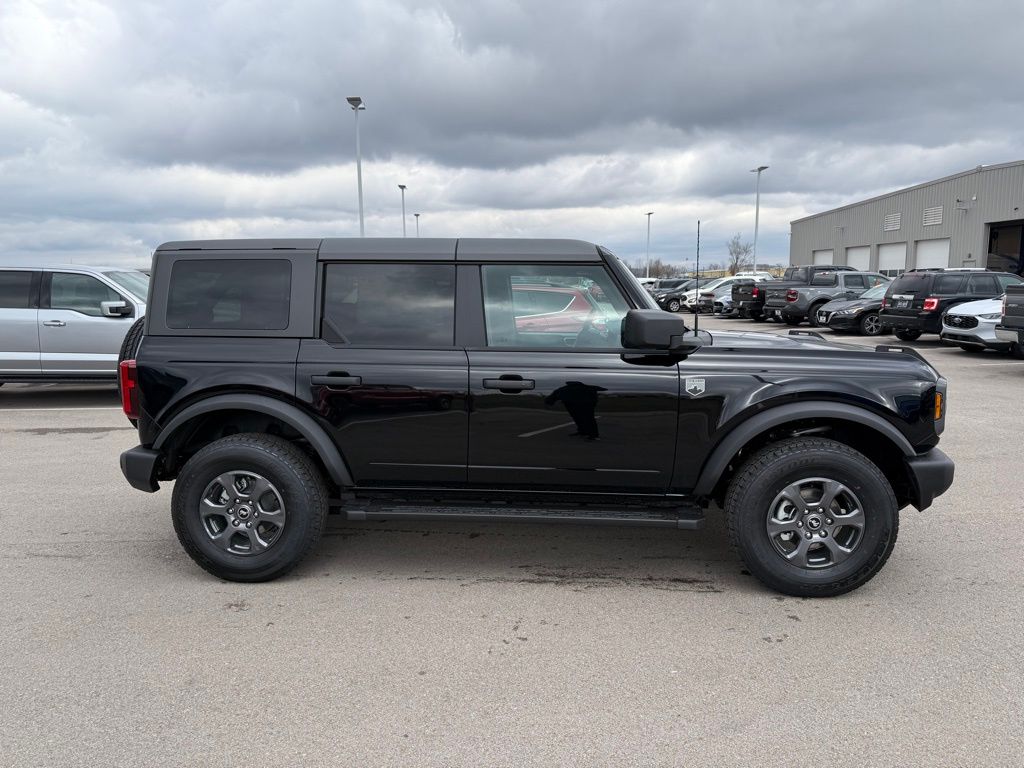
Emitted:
<point x="136" y="283"/>
<point x="711" y="285"/>
<point x="875" y="293"/>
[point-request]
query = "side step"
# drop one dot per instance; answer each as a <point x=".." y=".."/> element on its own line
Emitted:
<point x="688" y="518"/>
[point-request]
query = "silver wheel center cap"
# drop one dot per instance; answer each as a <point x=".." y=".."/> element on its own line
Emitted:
<point x="814" y="522"/>
<point x="243" y="512"/>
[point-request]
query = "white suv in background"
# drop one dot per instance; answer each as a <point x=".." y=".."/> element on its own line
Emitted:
<point x="689" y="299"/>
<point x="66" y="323"/>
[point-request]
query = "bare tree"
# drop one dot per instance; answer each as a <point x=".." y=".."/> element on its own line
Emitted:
<point x="659" y="269"/>
<point x="739" y="254"/>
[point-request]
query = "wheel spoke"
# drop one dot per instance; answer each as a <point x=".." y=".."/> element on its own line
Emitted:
<point x="256" y="544"/>
<point x="775" y="526"/>
<point x="791" y="493"/>
<point x="227" y="482"/>
<point x="854" y="518"/>
<point x="830" y="490"/>
<point x="799" y="555"/>
<point x="839" y="552"/>
<point x="223" y="539"/>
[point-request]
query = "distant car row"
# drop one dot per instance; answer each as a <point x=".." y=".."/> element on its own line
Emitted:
<point x="964" y="306"/>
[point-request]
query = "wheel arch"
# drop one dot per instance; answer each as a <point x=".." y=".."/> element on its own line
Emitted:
<point x="863" y="430"/>
<point x="201" y="415"/>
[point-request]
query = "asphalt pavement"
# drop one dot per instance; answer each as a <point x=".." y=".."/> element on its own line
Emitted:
<point x="458" y="644"/>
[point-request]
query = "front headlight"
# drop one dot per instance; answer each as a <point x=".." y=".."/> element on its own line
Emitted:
<point x="850" y="311"/>
<point x="991" y="316"/>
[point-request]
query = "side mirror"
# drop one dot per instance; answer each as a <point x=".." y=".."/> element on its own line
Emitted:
<point x="115" y="308"/>
<point x="657" y="331"/>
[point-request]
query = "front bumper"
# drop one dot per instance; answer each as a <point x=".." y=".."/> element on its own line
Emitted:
<point x="840" y="322"/>
<point x="1010" y="334"/>
<point x="926" y="323"/>
<point x="139" y="466"/>
<point x="931" y="475"/>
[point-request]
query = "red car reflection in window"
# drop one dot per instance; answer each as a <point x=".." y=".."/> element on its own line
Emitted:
<point x="550" y="308"/>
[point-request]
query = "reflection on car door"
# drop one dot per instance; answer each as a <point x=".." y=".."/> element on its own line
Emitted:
<point x="19" y="316"/>
<point x="74" y="336"/>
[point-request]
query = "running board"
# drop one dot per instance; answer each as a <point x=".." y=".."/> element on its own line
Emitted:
<point x="685" y="518"/>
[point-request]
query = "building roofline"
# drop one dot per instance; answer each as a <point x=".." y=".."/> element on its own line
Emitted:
<point x="876" y="198"/>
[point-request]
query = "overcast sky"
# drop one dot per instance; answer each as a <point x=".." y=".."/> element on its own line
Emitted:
<point x="126" y="124"/>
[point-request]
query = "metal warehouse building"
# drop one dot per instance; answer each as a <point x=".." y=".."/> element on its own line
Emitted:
<point x="969" y="219"/>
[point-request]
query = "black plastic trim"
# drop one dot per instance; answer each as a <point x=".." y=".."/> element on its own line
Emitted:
<point x="139" y="465"/>
<point x="932" y="475"/>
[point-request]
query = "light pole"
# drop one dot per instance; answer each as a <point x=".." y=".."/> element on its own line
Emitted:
<point x="757" y="206"/>
<point x="647" y="273"/>
<point x="356" y="102"/>
<point x="402" y="187"/>
<point x="417" y="224"/>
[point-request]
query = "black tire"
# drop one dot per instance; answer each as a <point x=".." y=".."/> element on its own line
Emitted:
<point x="792" y="320"/>
<point x="1016" y="351"/>
<point x="291" y="472"/>
<point x="870" y="324"/>
<point x="758" y="317"/>
<point x="759" y="482"/>
<point x="673" y="305"/>
<point x="129" y="347"/>
<point x="908" y="335"/>
<point x="812" y="314"/>
<point x="972" y="349"/>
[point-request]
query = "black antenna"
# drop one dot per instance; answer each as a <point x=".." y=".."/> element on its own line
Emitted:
<point x="696" y="298"/>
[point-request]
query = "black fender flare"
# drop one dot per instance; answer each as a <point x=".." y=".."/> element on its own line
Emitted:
<point x="300" y="421"/>
<point x="743" y="433"/>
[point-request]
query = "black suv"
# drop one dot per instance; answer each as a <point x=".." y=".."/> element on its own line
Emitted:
<point x="915" y="301"/>
<point x="280" y="379"/>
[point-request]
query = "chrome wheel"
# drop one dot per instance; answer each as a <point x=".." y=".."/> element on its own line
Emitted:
<point x="673" y="306"/>
<point x="242" y="512"/>
<point x="871" y="324"/>
<point x="815" y="523"/>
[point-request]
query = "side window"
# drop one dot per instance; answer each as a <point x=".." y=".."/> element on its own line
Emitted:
<point x="874" y="280"/>
<point x="581" y="306"/>
<point x="984" y="285"/>
<point x="823" y="278"/>
<point x="1005" y="281"/>
<point x="15" y="290"/>
<point x="79" y="293"/>
<point x="230" y="294"/>
<point x="390" y="305"/>
<point x="854" y="281"/>
<point x="947" y="285"/>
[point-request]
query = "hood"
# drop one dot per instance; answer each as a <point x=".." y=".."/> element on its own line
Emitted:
<point x="837" y="304"/>
<point x="981" y="307"/>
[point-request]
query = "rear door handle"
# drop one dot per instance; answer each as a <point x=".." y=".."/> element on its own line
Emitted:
<point x="510" y="385"/>
<point x="337" y="382"/>
<point x="54" y="323"/>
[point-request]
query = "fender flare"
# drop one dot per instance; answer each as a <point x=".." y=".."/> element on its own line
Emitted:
<point x="301" y="422"/>
<point x="746" y="431"/>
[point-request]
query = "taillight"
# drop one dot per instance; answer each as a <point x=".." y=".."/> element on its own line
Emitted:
<point x="754" y="293"/>
<point x="885" y="302"/>
<point x="791" y="295"/>
<point x="129" y="379"/>
<point x="931" y="304"/>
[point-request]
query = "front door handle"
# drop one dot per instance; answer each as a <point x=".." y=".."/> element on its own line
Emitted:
<point x="337" y="382"/>
<point x="54" y="323"/>
<point x="510" y="385"/>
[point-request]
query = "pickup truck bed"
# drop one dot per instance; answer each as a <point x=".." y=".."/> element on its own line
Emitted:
<point x="1011" y="328"/>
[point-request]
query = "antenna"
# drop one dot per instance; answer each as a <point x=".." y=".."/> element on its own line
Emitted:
<point x="696" y="295"/>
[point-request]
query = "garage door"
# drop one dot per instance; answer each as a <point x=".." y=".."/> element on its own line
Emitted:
<point x="932" y="253"/>
<point x="822" y="257"/>
<point x="859" y="258"/>
<point x="892" y="258"/>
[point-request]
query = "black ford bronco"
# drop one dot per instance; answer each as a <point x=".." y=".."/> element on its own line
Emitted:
<point x="530" y="380"/>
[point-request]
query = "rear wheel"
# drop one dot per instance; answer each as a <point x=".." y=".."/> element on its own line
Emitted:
<point x="792" y="320"/>
<point x="908" y="335"/>
<point x="812" y="517"/>
<point x="971" y="348"/>
<point x="758" y="317"/>
<point x="870" y="324"/>
<point x="812" y="314"/>
<point x="249" y="507"/>
<point x="1017" y="351"/>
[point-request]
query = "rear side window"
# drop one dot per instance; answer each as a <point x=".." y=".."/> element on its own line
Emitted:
<point x="230" y="294"/>
<point x="911" y="282"/>
<point x="984" y="285"/>
<point x="15" y="290"/>
<point x="854" y="281"/>
<point x="390" y="305"/>
<point x="947" y="285"/>
<point x="1005" y="281"/>
<point x="823" y="278"/>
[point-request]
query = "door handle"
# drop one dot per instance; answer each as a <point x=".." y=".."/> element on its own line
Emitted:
<point x="510" y="385"/>
<point x="54" y="323"/>
<point x="338" y="381"/>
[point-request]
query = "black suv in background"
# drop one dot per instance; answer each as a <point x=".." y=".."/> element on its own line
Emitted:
<point x="278" y="379"/>
<point x="669" y="293"/>
<point x="916" y="300"/>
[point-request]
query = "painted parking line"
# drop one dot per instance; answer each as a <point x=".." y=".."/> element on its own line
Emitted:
<point x="76" y="408"/>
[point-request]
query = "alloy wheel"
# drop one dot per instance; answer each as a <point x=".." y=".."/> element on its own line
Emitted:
<point x="242" y="512"/>
<point x="815" y="523"/>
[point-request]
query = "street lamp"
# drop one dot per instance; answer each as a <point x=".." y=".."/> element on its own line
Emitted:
<point x="648" y="215"/>
<point x="417" y="224"/>
<point x="356" y="102"/>
<point x="757" y="206"/>
<point x="402" y="187"/>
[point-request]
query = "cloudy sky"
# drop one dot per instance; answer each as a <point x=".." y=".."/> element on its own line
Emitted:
<point x="127" y="123"/>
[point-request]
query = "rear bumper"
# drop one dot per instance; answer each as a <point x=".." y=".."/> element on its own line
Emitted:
<point x="785" y="310"/>
<point x="139" y="466"/>
<point x="1010" y="334"/>
<point x="926" y="323"/>
<point x="931" y="475"/>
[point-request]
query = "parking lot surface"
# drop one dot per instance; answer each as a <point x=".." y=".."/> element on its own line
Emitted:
<point x="450" y="644"/>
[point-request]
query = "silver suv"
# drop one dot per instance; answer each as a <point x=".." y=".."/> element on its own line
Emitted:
<point x="66" y="323"/>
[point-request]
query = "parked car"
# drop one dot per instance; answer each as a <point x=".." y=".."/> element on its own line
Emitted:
<point x="859" y="315"/>
<point x="751" y="303"/>
<point x="671" y="299"/>
<point x="800" y="302"/>
<point x="719" y="301"/>
<point x="508" y="425"/>
<point x="1011" y="328"/>
<point x="916" y="300"/>
<point x="66" y="323"/>
<point x="689" y="298"/>
<point x="972" y="326"/>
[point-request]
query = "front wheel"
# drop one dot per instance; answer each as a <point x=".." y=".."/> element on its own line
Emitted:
<point x="673" y="305"/>
<point x="758" y="317"/>
<point x="812" y="316"/>
<point x="908" y="335"/>
<point x="812" y="517"/>
<point x="1017" y="351"/>
<point x="249" y="507"/>
<point x="870" y="324"/>
<point x="792" y="320"/>
<point x="971" y="349"/>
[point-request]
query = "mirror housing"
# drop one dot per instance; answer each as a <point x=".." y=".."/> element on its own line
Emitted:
<point x="115" y="308"/>
<point x="658" y="331"/>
